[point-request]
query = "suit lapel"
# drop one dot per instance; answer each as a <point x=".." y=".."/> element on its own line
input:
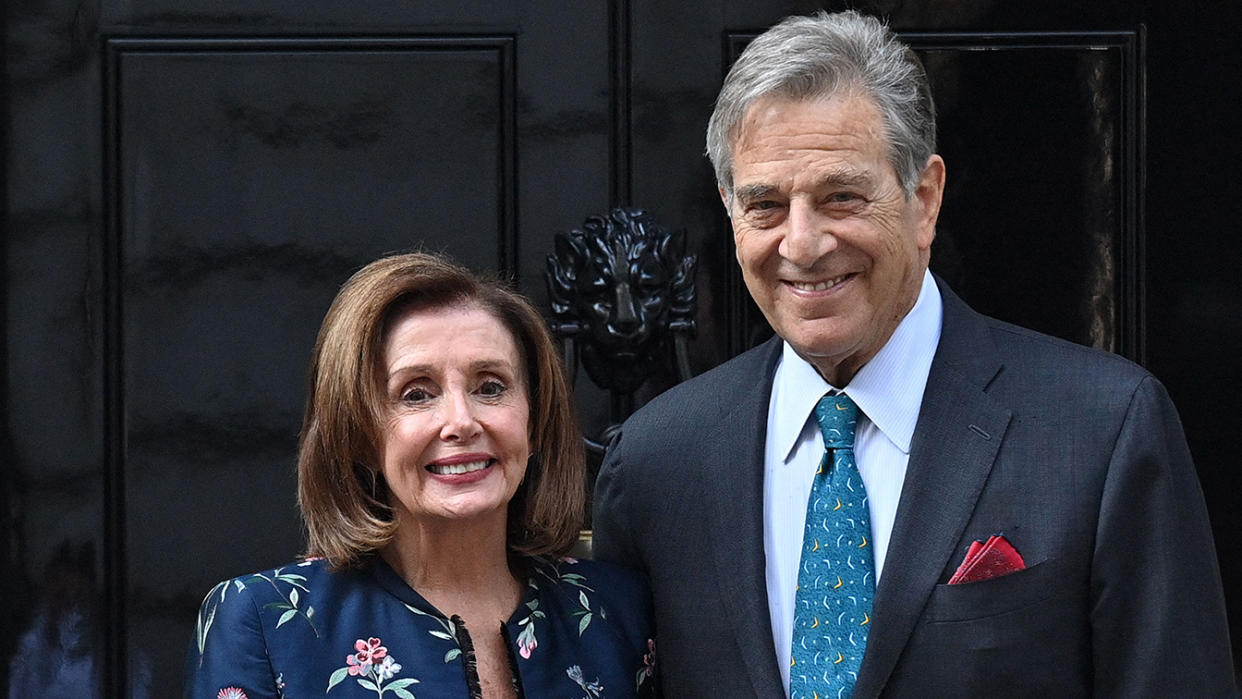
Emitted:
<point x="733" y="490"/>
<point x="959" y="432"/>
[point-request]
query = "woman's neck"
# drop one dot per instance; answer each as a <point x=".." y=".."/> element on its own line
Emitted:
<point x="459" y="567"/>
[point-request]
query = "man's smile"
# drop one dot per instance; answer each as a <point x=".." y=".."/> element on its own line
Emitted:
<point x="819" y="285"/>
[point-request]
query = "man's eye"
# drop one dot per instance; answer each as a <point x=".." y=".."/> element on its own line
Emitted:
<point x="763" y="205"/>
<point x="844" y="197"/>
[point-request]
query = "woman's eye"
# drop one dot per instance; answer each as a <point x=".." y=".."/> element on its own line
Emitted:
<point x="491" y="389"/>
<point x="415" y="395"/>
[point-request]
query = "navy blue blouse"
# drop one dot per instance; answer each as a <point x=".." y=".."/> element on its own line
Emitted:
<point x="582" y="631"/>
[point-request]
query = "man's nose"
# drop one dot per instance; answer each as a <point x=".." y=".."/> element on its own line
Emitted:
<point x="460" y="422"/>
<point x="808" y="235"/>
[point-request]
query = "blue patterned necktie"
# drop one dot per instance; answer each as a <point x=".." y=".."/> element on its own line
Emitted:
<point x="836" y="579"/>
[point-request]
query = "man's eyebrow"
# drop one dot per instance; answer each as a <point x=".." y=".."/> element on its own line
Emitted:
<point x="846" y="177"/>
<point x="752" y="192"/>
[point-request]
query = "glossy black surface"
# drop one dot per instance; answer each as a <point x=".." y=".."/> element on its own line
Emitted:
<point x="187" y="182"/>
<point x="620" y="290"/>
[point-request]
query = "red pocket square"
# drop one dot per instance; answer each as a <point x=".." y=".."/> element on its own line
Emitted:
<point x="993" y="559"/>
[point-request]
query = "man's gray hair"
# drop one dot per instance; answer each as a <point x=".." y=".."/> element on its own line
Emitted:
<point x="804" y="58"/>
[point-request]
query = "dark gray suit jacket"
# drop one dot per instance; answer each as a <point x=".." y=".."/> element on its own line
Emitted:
<point x="1076" y="456"/>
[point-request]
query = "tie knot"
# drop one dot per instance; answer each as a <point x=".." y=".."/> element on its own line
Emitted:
<point x="837" y="416"/>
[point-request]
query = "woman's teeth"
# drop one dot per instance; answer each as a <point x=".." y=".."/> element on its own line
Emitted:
<point x="457" y="469"/>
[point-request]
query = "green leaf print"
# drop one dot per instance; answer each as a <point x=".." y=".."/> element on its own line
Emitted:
<point x="207" y="616"/>
<point x="448" y="634"/>
<point x="289" y="602"/>
<point x="336" y="678"/>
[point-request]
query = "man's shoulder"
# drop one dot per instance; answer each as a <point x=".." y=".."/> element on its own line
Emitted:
<point x="1024" y="347"/>
<point x="1039" y="368"/>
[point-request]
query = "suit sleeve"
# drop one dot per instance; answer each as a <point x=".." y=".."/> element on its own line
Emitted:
<point x="612" y="538"/>
<point x="1158" y="613"/>
<point x="229" y="650"/>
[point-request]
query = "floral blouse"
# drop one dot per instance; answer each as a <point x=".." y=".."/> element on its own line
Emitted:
<point x="582" y="631"/>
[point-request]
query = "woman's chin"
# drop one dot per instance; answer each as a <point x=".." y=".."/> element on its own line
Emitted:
<point x="464" y="509"/>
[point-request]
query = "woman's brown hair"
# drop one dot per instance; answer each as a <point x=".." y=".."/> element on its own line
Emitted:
<point x="340" y="490"/>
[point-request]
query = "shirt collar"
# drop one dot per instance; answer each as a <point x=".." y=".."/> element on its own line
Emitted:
<point x="888" y="389"/>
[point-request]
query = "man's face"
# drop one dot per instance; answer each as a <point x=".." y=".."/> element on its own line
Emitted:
<point x="830" y="247"/>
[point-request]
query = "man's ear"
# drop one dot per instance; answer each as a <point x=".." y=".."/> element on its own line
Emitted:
<point x="928" y="194"/>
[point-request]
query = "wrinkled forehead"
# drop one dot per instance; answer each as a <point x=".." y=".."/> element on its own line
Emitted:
<point x="778" y="125"/>
<point x="507" y="319"/>
<point x="825" y="94"/>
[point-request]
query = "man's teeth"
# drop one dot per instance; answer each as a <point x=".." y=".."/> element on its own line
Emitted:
<point x="819" y="286"/>
<point x="457" y="469"/>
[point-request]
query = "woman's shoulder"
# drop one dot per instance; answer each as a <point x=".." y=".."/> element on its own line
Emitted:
<point x="568" y="575"/>
<point x="300" y="570"/>
<point x="297" y="574"/>
<point x="288" y="596"/>
<point x="245" y="600"/>
<point x="268" y="629"/>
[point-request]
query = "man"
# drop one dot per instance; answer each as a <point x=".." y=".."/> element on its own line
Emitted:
<point x="774" y="571"/>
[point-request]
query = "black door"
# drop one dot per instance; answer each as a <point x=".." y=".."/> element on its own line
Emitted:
<point x="187" y="183"/>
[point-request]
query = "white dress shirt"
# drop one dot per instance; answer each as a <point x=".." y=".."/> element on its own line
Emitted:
<point x="889" y="393"/>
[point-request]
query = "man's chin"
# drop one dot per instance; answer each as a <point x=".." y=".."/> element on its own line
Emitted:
<point x="837" y="357"/>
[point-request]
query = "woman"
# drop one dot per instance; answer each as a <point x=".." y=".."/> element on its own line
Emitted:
<point x="440" y="476"/>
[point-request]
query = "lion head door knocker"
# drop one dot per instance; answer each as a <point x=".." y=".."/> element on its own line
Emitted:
<point x="623" y="303"/>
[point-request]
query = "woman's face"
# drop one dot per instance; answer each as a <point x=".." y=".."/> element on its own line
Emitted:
<point x="456" y="440"/>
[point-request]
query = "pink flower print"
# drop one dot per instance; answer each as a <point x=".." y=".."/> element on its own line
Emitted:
<point x="569" y="559"/>
<point x="231" y="693"/>
<point x="526" y="641"/>
<point x="649" y="657"/>
<point x="372" y="665"/>
<point x="369" y="651"/>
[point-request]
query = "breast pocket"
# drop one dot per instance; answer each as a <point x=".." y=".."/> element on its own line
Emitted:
<point x="1035" y="612"/>
<point x="996" y="596"/>
<point x="1019" y="635"/>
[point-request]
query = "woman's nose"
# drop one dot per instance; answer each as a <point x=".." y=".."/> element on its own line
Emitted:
<point x="460" y="421"/>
